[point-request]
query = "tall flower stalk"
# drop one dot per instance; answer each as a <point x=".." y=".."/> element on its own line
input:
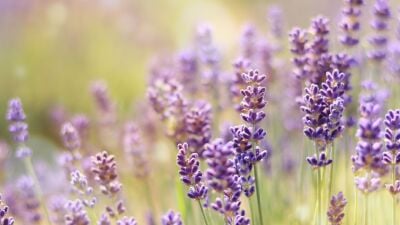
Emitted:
<point x="19" y="131"/>
<point x="246" y="138"/>
<point x="191" y="176"/>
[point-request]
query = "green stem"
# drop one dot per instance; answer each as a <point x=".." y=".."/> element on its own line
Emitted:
<point x="366" y="209"/>
<point x="355" y="206"/>
<point x="253" y="217"/>
<point x="332" y="170"/>
<point x="38" y="190"/>
<point x="202" y="212"/>
<point x="394" y="196"/>
<point x="258" y="195"/>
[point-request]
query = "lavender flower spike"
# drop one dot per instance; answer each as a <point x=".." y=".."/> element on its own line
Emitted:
<point x="18" y="127"/>
<point x="190" y="172"/>
<point x="350" y="23"/>
<point x="70" y="137"/>
<point x="171" y="218"/>
<point x="127" y="221"/>
<point x="76" y="213"/>
<point x="380" y="25"/>
<point x="392" y="137"/>
<point x="336" y="209"/>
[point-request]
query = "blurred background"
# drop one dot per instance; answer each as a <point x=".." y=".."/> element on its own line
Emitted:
<point x="51" y="50"/>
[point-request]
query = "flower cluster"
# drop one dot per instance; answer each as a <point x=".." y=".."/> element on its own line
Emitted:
<point x="134" y="150"/>
<point x="76" y="213"/>
<point x="70" y="137"/>
<point x="380" y="25"/>
<point x="350" y="23"/>
<point x="323" y="108"/>
<point x="104" y="169"/>
<point x="392" y="139"/>
<point x="198" y="126"/>
<point x="247" y="137"/>
<point x="369" y="148"/>
<point x="222" y="178"/>
<point x="189" y="170"/>
<point x="81" y="187"/>
<point x="298" y="40"/>
<point x="4" y="218"/>
<point x="336" y="209"/>
<point x="171" y="218"/>
<point x="18" y="127"/>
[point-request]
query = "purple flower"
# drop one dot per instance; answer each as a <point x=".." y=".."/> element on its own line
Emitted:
<point x="198" y="126"/>
<point x="190" y="172"/>
<point x="221" y="166"/>
<point x="104" y="220"/>
<point x="171" y="218"/>
<point x="104" y="169"/>
<point x="367" y="184"/>
<point x="298" y="39"/>
<point x="319" y="161"/>
<point x="350" y="23"/>
<point x="76" y="213"/>
<point x="314" y="119"/>
<point x="336" y="209"/>
<point x="127" y="221"/>
<point x="394" y="189"/>
<point x="16" y="116"/>
<point x="4" y="218"/>
<point x="134" y="150"/>
<point x="81" y="124"/>
<point x="81" y="187"/>
<point x="368" y="150"/>
<point x="380" y="25"/>
<point x="70" y="137"/>
<point x="275" y="20"/>
<point x="29" y="204"/>
<point x="248" y="42"/>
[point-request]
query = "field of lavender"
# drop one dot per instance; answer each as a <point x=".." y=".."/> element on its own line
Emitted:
<point x="291" y="125"/>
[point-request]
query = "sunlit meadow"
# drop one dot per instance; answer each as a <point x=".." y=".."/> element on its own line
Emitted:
<point x="200" y="112"/>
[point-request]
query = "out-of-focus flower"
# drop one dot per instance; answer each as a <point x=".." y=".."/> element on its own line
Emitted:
<point x="18" y="127"/>
<point x="171" y="218"/>
<point x="135" y="151"/>
<point x="380" y="25"/>
<point x="127" y="221"/>
<point x="350" y="23"/>
<point x="71" y="138"/>
<point x="76" y="213"/>
<point x="29" y="205"/>
<point x="367" y="184"/>
<point x="5" y="219"/>
<point x="198" y="126"/>
<point x="275" y="21"/>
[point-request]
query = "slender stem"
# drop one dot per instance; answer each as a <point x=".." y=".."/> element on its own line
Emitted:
<point x="253" y="217"/>
<point x="318" y="206"/>
<point x="366" y="209"/>
<point x="355" y="206"/>
<point x="38" y="190"/>
<point x="319" y="191"/>
<point x="258" y="195"/>
<point x="202" y="212"/>
<point x="394" y="196"/>
<point x="332" y="170"/>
